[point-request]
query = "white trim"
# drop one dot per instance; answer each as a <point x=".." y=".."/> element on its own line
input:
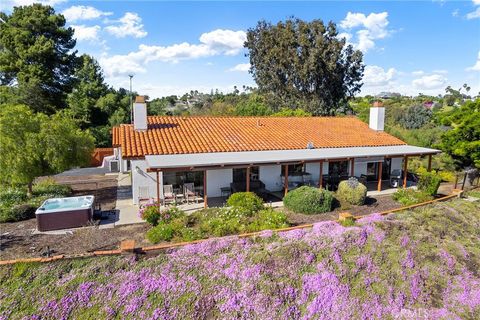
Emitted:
<point x="280" y="156"/>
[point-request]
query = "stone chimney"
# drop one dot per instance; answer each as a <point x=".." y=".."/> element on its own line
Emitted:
<point x="140" y="113"/>
<point x="377" y="116"/>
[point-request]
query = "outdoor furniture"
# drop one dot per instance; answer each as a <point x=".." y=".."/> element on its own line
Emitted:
<point x="363" y="179"/>
<point x="189" y="192"/>
<point x="395" y="178"/>
<point x="255" y="186"/>
<point x="143" y="194"/>
<point x="168" y="195"/>
<point x="225" y="192"/>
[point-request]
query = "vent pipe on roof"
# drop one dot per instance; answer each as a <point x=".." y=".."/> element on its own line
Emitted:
<point x="140" y="114"/>
<point x="377" y="116"/>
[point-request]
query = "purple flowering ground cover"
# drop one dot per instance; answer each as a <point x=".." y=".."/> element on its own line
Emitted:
<point x="421" y="264"/>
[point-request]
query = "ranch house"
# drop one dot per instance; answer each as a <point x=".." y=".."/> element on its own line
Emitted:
<point x="203" y="159"/>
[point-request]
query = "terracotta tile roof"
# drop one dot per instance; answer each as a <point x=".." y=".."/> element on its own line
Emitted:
<point x="180" y="135"/>
<point x="116" y="137"/>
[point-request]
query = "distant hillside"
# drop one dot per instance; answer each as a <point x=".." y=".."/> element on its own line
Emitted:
<point x="422" y="264"/>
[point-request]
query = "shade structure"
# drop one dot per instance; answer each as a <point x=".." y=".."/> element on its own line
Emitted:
<point x="222" y="159"/>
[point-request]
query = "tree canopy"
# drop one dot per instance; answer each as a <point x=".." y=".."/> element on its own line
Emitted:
<point x="463" y="141"/>
<point x="304" y="65"/>
<point x="34" y="144"/>
<point x="89" y="88"/>
<point x="37" y="57"/>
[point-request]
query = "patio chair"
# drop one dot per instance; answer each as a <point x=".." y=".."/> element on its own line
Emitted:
<point x="189" y="192"/>
<point x="143" y="195"/>
<point x="168" y="195"/>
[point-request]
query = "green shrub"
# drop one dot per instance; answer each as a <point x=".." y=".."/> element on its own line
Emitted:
<point x="429" y="183"/>
<point x="447" y="176"/>
<point x="474" y="193"/>
<point x="38" y="201"/>
<point x="172" y="213"/>
<point x="352" y="192"/>
<point x="223" y="224"/>
<point x="12" y="196"/>
<point x="189" y="234"/>
<point x="308" y="200"/>
<point x="348" y="222"/>
<point x="408" y="197"/>
<point x="151" y="214"/>
<point x="268" y="219"/>
<point x="248" y="202"/>
<point x="17" y="213"/>
<point x="161" y="232"/>
<point x="50" y="187"/>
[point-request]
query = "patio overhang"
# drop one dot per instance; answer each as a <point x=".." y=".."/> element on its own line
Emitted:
<point x="202" y="161"/>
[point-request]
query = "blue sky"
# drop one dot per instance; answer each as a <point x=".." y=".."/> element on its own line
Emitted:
<point x="175" y="47"/>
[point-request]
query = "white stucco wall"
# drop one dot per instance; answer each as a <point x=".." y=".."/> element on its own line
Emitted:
<point x="144" y="178"/>
<point x="217" y="179"/>
<point x="270" y="175"/>
<point x="314" y="170"/>
<point x="121" y="162"/>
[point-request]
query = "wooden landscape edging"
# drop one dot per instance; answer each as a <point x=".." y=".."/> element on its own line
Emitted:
<point x="128" y="246"/>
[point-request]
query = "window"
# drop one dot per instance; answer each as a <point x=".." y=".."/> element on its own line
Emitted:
<point x="240" y="174"/>
<point x="338" y="168"/>
<point x="294" y="169"/>
<point x="178" y="178"/>
<point x="372" y="170"/>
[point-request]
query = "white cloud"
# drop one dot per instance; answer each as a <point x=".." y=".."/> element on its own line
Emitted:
<point x="474" y="14"/>
<point x="242" y="67"/>
<point x="128" y="25"/>
<point x="429" y="82"/>
<point x="77" y="13"/>
<point x="476" y="66"/>
<point x="418" y="73"/>
<point x="345" y="35"/>
<point x="476" y="2"/>
<point x="224" y="40"/>
<point x="373" y="27"/>
<point x="84" y="33"/>
<point x="217" y="42"/>
<point x="377" y="76"/>
<point x="455" y="13"/>
<point x="120" y="65"/>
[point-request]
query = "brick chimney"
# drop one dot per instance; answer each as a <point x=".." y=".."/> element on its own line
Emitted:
<point x="377" y="116"/>
<point x="140" y="113"/>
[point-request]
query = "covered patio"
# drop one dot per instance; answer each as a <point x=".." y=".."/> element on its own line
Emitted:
<point x="271" y="174"/>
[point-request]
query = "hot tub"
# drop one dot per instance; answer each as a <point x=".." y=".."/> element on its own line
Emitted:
<point x="64" y="213"/>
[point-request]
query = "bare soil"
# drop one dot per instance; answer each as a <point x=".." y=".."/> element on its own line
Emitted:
<point x="18" y="241"/>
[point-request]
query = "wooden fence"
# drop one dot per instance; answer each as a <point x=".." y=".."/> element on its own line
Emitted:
<point x="99" y="154"/>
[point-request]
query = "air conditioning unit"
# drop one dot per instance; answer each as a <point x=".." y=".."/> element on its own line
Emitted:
<point x="114" y="167"/>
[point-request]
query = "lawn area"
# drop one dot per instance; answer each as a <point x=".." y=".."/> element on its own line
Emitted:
<point x="416" y="264"/>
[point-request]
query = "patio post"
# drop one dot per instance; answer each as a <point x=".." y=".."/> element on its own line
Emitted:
<point x="205" y="203"/>
<point x="286" y="179"/>
<point x="158" y="189"/>
<point x="352" y="167"/>
<point x="320" y="181"/>
<point x="248" y="180"/>
<point x="429" y="168"/>
<point x="380" y="168"/>
<point x="405" y="162"/>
